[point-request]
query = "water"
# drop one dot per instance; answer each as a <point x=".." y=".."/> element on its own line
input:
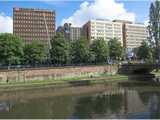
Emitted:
<point x="123" y="100"/>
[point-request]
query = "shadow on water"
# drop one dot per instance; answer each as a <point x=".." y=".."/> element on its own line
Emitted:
<point x="80" y="83"/>
<point x="141" y="80"/>
<point x="141" y="77"/>
<point x="98" y="106"/>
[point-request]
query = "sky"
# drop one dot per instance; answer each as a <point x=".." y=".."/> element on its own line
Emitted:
<point x="78" y="12"/>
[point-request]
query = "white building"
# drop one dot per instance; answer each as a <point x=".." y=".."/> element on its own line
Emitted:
<point x="105" y="29"/>
<point x="129" y="34"/>
<point x="135" y="34"/>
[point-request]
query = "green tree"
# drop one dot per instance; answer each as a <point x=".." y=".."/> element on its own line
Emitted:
<point x="144" y="52"/>
<point x="34" y="53"/>
<point x="99" y="48"/>
<point x="115" y="49"/>
<point x="11" y="49"/>
<point x="154" y="27"/>
<point x="60" y="50"/>
<point x="80" y="51"/>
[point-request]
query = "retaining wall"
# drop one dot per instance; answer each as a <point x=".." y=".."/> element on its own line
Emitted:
<point x="54" y="73"/>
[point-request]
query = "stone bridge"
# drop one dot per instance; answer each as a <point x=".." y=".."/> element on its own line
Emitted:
<point x="137" y="68"/>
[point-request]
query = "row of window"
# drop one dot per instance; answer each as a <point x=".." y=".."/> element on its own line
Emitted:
<point x="29" y="27"/>
<point x="105" y="38"/>
<point x="40" y="36"/>
<point x="106" y="28"/>
<point x="34" y="13"/>
<point x="137" y="35"/>
<point x="135" y="29"/>
<point x="22" y="18"/>
<point x="34" y="24"/>
<point x="34" y="21"/>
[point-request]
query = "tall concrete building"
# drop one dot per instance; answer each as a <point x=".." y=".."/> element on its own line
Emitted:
<point x="34" y="24"/>
<point x="75" y="33"/>
<point x="69" y="32"/>
<point x="105" y="29"/>
<point x="131" y="35"/>
<point x="134" y="35"/>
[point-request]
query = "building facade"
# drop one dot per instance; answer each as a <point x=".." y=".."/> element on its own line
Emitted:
<point x="134" y="35"/>
<point x="34" y="24"/>
<point x="75" y="33"/>
<point x="131" y="35"/>
<point x="103" y="29"/>
<point x="69" y="32"/>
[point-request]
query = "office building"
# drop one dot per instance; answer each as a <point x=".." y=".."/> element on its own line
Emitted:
<point x="69" y="32"/>
<point x="131" y="35"/>
<point x="134" y="35"/>
<point x="34" y="24"/>
<point x="75" y="33"/>
<point x="103" y="29"/>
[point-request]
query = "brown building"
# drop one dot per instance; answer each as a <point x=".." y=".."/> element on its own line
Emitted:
<point x="34" y="24"/>
<point x="87" y="30"/>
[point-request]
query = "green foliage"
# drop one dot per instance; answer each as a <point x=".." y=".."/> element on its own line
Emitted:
<point x="60" y="50"/>
<point x="11" y="49"/>
<point x="154" y="28"/>
<point x="99" y="50"/>
<point x="144" y="52"/>
<point x="115" y="49"/>
<point x="80" y="51"/>
<point x="34" y="53"/>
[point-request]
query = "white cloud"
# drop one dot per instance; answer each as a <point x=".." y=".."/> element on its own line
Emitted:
<point x="6" y="24"/>
<point x="146" y="22"/>
<point x="101" y="9"/>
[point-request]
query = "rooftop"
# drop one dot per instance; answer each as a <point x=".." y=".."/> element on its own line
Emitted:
<point x="33" y="9"/>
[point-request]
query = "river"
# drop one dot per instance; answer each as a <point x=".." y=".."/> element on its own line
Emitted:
<point x="113" y="100"/>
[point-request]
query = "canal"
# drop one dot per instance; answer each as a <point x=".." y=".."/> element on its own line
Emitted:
<point x="109" y="100"/>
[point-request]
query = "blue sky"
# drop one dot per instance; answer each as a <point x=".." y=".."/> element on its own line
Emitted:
<point x="70" y="10"/>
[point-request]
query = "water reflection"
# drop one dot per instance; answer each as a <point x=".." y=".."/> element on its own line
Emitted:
<point x="120" y="102"/>
<point x="152" y="101"/>
<point x="5" y="106"/>
<point x="98" y="106"/>
<point x="142" y="77"/>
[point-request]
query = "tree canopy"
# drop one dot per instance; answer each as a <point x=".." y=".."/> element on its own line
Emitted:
<point x="80" y="51"/>
<point x="154" y="27"/>
<point x="99" y="49"/>
<point x="115" y="49"/>
<point x="144" y="52"/>
<point x="60" y="50"/>
<point x="11" y="49"/>
<point x="34" y="53"/>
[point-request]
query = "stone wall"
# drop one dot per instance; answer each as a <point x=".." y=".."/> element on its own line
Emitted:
<point x="54" y="73"/>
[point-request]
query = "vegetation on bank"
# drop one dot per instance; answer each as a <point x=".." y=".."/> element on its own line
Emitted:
<point x="156" y="72"/>
<point x="149" y="51"/>
<point x="13" y="51"/>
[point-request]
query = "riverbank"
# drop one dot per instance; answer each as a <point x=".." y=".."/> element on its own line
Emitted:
<point x="156" y="73"/>
<point x="63" y="82"/>
<point x="54" y="73"/>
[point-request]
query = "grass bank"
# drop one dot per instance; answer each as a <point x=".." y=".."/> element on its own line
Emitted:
<point x="63" y="82"/>
<point x="156" y="73"/>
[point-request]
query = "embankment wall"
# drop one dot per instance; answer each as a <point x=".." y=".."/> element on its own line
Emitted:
<point x="22" y="75"/>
